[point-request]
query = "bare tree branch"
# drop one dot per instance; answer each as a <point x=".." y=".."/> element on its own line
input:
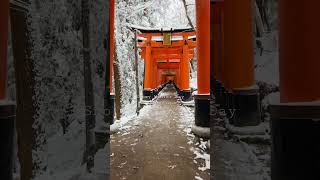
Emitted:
<point x="187" y="15"/>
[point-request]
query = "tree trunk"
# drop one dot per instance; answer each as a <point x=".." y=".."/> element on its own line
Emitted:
<point x="258" y="19"/>
<point x="187" y="15"/>
<point x="137" y="70"/>
<point x="117" y="87"/>
<point x="262" y="6"/>
<point x="30" y="132"/>
<point x="89" y="98"/>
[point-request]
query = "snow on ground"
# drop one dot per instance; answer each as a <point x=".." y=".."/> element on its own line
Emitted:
<point x="244" y="153"/>
<point x="239" y="160"/>
<point x="200" y="146"/>
<point x="66" y="153"/>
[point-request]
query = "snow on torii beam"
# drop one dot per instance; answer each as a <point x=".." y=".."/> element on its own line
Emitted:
<point x="4" y="23"/>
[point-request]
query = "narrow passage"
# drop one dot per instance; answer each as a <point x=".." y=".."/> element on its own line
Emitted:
<point x="158" y="144"/>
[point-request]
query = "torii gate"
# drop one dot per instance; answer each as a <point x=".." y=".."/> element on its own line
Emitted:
<point x="167" y="55"/>
<point x="233" y="61"/>
<point x="295" y="115"/>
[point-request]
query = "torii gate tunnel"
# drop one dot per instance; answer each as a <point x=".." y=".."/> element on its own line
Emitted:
<point x="293" y="119"/>
<point x="167" y="55"/>
<point x="167" y="58"/>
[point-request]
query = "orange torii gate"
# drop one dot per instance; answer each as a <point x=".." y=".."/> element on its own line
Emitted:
<point x="167" y="55"/>
<point x="110" y="45"/>
<point x="295" y="116"/>
<point x="232" y="77"/>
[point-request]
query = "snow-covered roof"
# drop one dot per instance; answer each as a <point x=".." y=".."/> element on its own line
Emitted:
<point x="160" y="38"/>
<point x="165" y="29"/>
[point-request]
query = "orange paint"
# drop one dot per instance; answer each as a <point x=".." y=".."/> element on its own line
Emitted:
<point x="154" y="73"/>
<point x="148" y="68"/>
<point x="161" y="58"/>
<point x="4" y="25"/>
<point x="299" y="51"/>
<point x="203" y="45"/>
<point x="185" y="69"/>
<point x="159" y="77"/>
<point x="177" y="80"/>
<point x="168" y="65"/>
<point x="170" y="78"/>
<point x="238" y="44"/>
<point x="112" y="40"/>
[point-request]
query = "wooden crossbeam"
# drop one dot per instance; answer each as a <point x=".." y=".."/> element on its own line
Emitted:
<point x="168" y="65"/>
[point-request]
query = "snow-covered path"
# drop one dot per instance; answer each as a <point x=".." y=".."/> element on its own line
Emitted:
<point x="158" y="145"/>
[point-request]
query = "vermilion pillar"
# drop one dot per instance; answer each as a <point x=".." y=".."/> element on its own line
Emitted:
<point x="185" y="69"/>
<point x="185" y="72"/>
<point x="155" y="72"/>
<point x="202" y="99"/>
<point x="159" y="72"/>
<point x="295" y="118"/>
<point x="7" y="110"/>
<point x="238" y="78"/>
<point x="217" y="45"/>
<point x="4" y="24"/>
<point x="203" y="45"/>
<point x="238" y="44"/>
<point x="299" y="51"/>
<point x="110" y="117"/>
<point x="148" y="75"/>
<point x="148" y="68"/>
<point x="178" y="77"/>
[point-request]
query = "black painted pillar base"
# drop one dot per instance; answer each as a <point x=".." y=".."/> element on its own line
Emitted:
<point x="229" y="106"/>
<point x="202" y="110"/>
<point x="7" y="118"/>
<point x="247" y="107"/>
<point x="186" y="95"/>
<point x="155" y="92"/>
<point x="147" y="95"/>
<point x="295" y="132"/>
<point x="102" y="136"/>
<point x="219" y="92"/>
<point x="110" y="117"/>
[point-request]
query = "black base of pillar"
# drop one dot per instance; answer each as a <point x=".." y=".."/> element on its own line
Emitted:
<point x="230" y="106"/>
<point x="219" y="93"/>
<point x="110" y="114"/>
<point x="147" y="95"/>
<point x="155" y="92"/>
<point x="295" y="142"/>
<point x="224" y="98"/>
<point x="7" y="118"/>
<point x="102" y="137"/>
<point x="247" y="107"/>
<point x="186" y="95"/>
<point x="202" y="110"/>
<point x="161" y="87"/>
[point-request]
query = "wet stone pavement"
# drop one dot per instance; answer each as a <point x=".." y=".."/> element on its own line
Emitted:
<point x="158" y="144"/>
